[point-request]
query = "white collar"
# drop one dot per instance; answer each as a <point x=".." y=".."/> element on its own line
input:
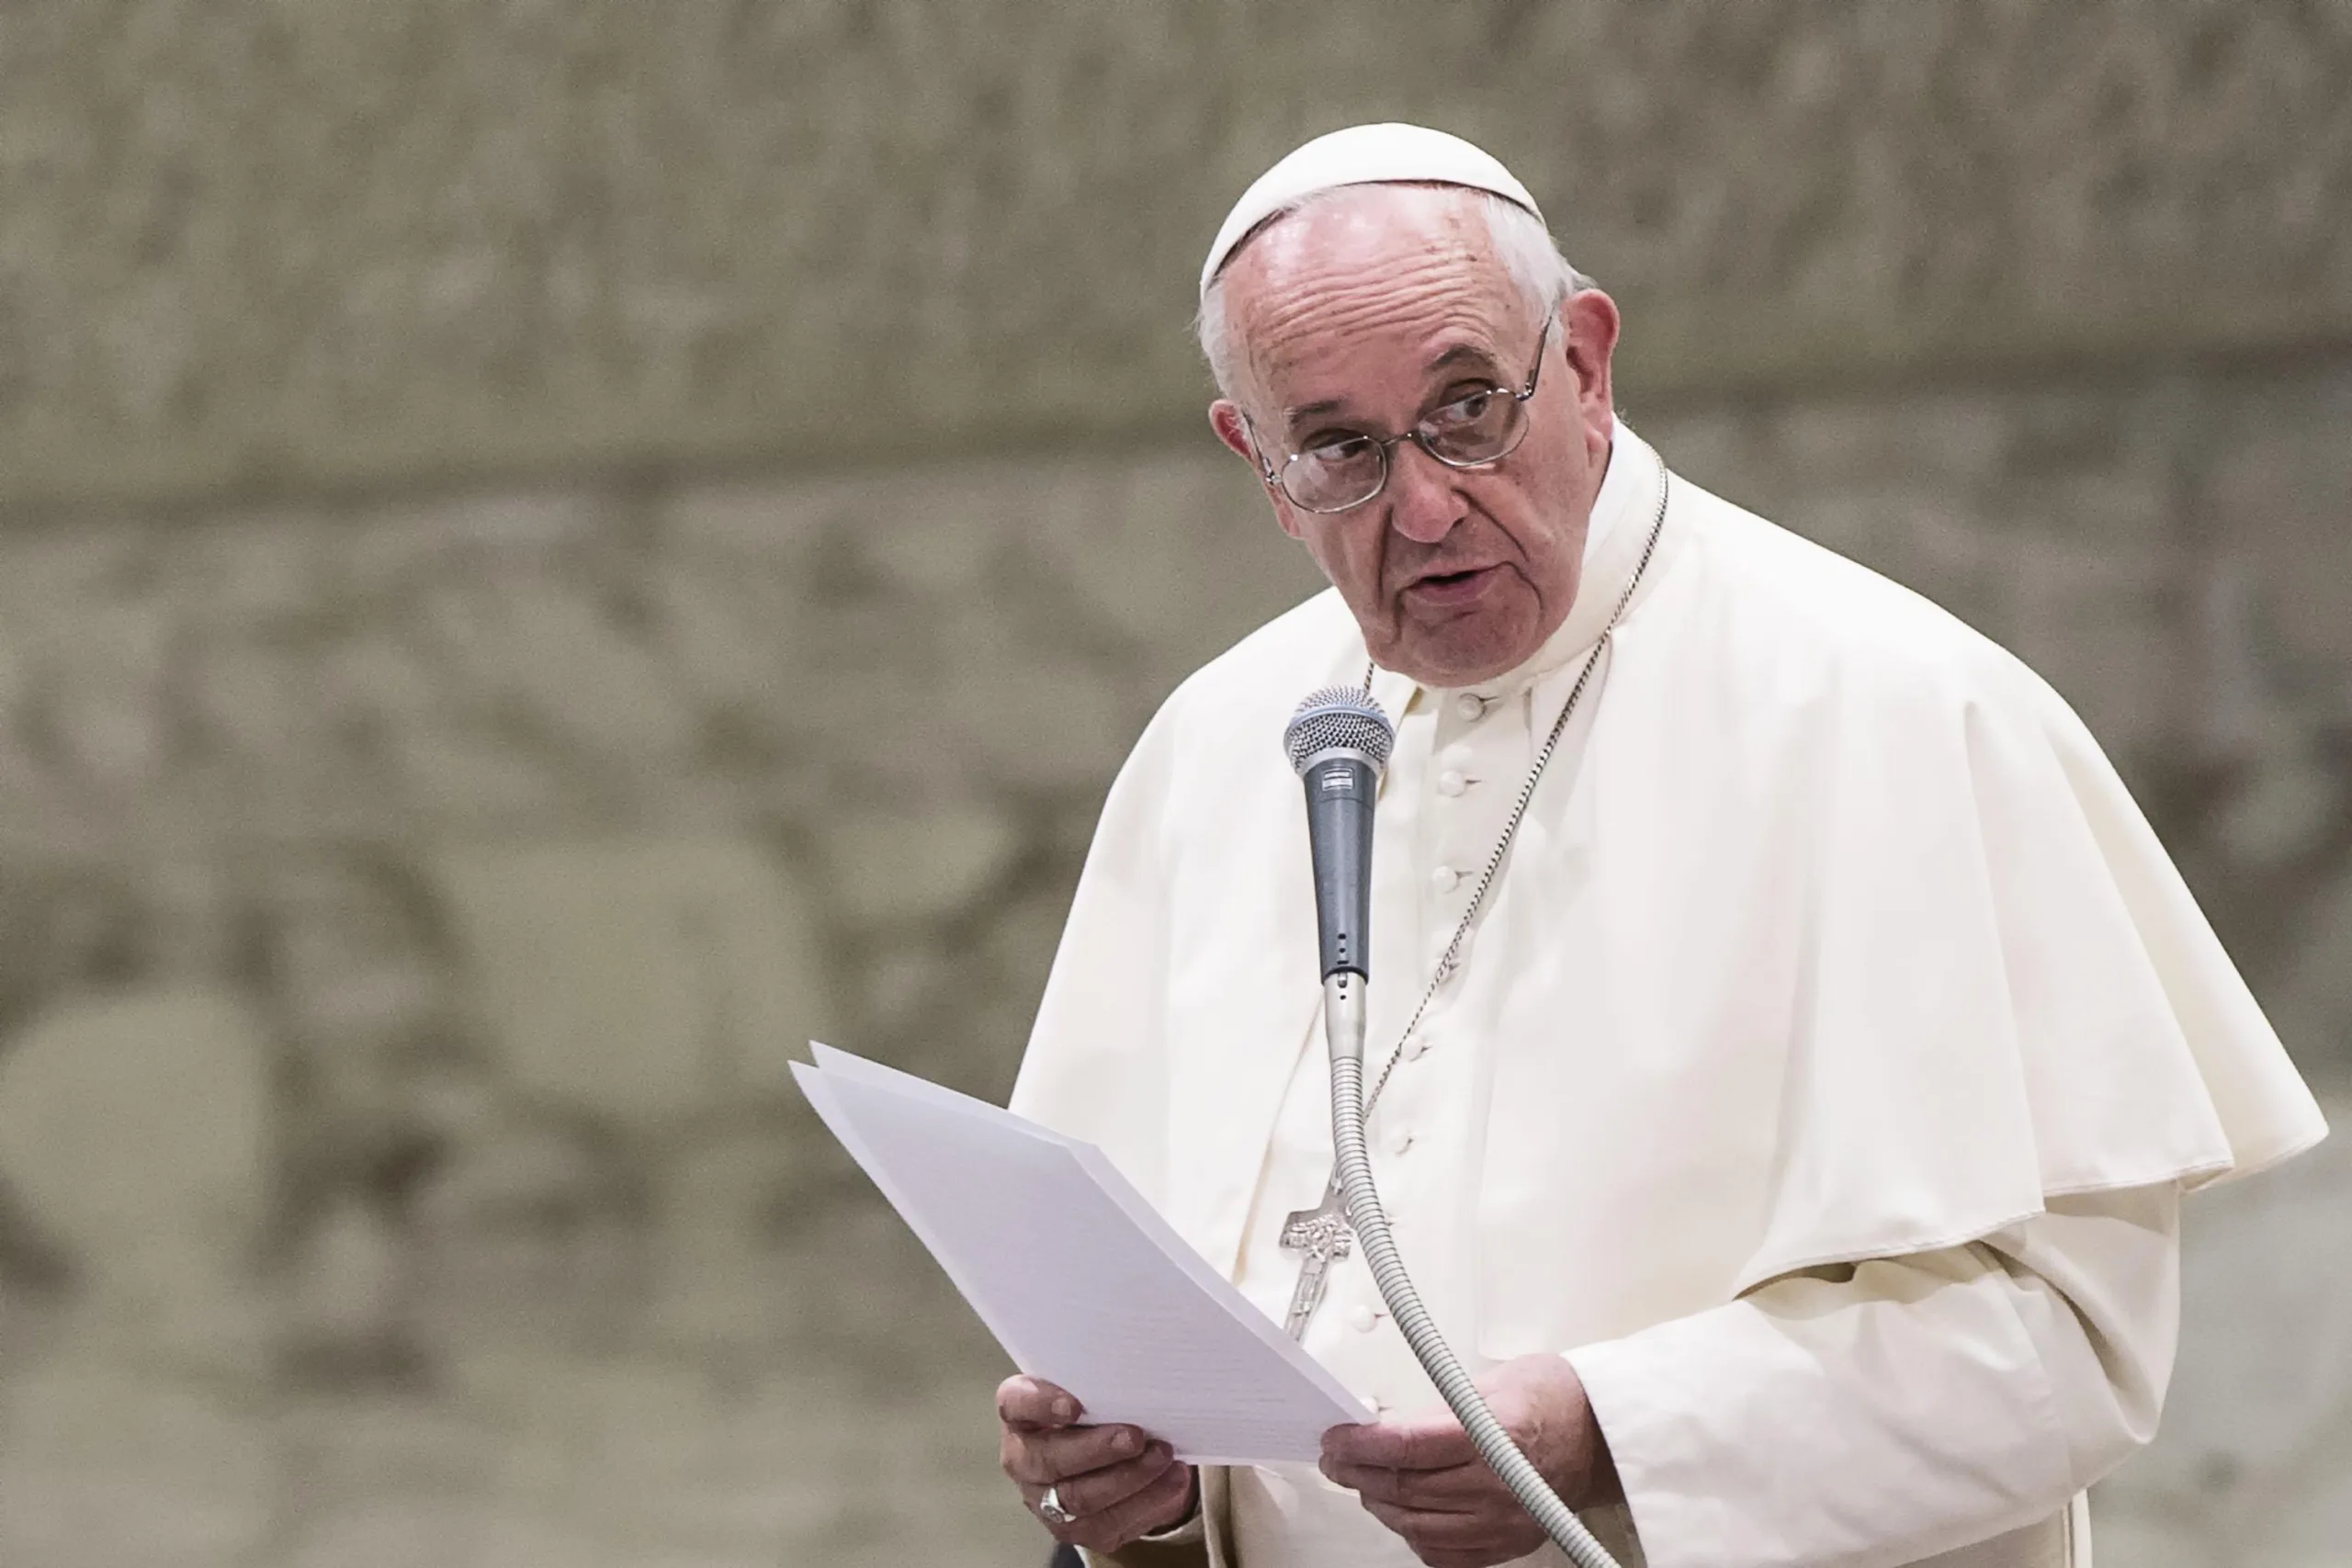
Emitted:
<point x="1616" y="479"/>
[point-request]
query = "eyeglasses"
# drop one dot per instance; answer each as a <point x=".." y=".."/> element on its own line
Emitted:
<point x="1347" y="469"/>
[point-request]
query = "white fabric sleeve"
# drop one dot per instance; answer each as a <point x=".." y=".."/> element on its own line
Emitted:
<point x="1885" y="1411"/>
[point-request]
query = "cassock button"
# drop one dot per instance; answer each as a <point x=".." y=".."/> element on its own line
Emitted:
<point x="1364" y="1320"/>
<point x="1445" y="879"/>
<point x="1400" y="1140"/>
<point x="1452" y="783"/>
<point x="1470" y="705"/>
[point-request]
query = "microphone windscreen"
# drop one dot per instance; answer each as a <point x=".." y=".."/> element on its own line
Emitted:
<point x="1339" y="718"/>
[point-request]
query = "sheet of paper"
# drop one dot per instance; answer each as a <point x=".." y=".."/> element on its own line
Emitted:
<point x="1075" y="1274"/>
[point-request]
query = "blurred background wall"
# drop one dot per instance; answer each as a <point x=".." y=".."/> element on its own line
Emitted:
<point x="550" y="550"/>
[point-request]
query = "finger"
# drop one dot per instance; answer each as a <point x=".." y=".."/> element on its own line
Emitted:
<point x="1100" y="1491"/>
<point x="1156" y="1507"/>
<point x="1047" y="1458"/>
<point x="1034" y="1404"/>
<point x="1430" y="1442"/>
<point x="1454" y="1491"/>
<point x="1492" y="1537"/>
<point x="1477" y="1557"/>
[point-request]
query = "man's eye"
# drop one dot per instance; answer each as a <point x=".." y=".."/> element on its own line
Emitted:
<point x="1465" y="411"/>
<point x="1340" y="446"/>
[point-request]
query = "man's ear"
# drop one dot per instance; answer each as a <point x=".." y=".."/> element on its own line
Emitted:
<point x="1225" y="418"/>
<point x="1590" y="318"/>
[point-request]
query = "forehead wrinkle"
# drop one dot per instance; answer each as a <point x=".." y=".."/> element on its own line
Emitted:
<point x="1453" y="330"/>
<point x="1384" y="262"/>
<point x="1421" y="303"/>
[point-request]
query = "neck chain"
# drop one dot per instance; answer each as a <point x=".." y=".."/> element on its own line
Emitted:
<point x="1450" y="962"/>
<point x="1322" y="1234"/>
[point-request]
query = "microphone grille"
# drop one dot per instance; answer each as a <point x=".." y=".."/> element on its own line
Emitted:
<point x="1339" y="718"/>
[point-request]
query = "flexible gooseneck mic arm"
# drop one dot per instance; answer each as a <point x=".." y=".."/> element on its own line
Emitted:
<point x="1343" y="996"/>
<point x="1339" y="733"/>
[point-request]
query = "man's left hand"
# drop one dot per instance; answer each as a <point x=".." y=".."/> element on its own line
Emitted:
<point x="1421" y="1477"/>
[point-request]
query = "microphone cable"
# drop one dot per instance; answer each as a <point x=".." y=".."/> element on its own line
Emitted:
<point x="1343" y="1017"/>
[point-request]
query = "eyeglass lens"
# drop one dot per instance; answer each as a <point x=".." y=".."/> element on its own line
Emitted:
<point x="1349" y="471"/>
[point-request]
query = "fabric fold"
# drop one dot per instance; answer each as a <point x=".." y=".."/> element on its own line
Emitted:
<point x="1833" y="938"/>
<point x="2021" y="1003"/>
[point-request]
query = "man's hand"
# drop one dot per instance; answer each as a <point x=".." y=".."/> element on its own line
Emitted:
<point x="1121" y="1482"/>
<point x="1421" y="1478"/>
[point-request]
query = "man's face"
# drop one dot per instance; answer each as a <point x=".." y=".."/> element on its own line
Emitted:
<point x="1360" y="315"/>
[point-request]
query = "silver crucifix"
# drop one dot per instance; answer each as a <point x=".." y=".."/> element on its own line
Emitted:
<point x="1321" y="1233"/>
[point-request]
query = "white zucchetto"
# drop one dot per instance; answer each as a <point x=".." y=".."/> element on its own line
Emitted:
<point x="1362" y="155"/>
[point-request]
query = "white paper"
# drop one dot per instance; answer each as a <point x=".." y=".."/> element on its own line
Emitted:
<point x="1075" y="1274"/>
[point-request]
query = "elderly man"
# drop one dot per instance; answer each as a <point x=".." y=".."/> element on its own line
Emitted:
<point x="1792" y="1042"/>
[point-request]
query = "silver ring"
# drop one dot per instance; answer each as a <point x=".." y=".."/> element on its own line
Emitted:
<point x="1050" y="1509"/>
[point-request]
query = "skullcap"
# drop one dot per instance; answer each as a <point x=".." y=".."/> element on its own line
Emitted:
<point x="1362" y="155"/>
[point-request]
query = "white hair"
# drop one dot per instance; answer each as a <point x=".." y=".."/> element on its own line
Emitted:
<point x="1521" y="241"/>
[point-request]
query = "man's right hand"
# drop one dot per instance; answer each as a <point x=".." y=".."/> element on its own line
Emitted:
<point x="1119" y="1482"/>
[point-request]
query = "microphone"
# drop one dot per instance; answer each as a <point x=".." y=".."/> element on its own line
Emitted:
<point x="1339" y="741"/>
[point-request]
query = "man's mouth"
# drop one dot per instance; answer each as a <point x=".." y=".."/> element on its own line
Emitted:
<point x="1450" y="589"/>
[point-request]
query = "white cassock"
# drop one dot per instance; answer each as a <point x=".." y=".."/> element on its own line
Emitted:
<point x="1820" y="1078"/>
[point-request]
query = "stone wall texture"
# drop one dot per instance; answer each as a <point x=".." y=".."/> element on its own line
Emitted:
<point x="246" y="243"/>
<point x="550" y="551"/>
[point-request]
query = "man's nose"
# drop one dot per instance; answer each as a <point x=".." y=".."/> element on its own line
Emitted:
<point x="1423" y="502"/>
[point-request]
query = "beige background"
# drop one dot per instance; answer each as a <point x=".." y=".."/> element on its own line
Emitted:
<point x="550" y="551"/>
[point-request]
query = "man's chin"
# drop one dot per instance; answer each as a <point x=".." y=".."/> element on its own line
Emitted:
<point x="1447" y="665"/>
<point x="1451" y="647"/>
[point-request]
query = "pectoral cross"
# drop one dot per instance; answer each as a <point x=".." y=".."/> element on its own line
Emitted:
<point x="1322" y="1234"/>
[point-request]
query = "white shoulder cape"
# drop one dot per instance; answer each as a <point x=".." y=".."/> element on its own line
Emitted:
<point x="1845" y="941"/>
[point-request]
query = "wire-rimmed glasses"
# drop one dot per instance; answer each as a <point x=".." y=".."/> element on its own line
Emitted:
<point x="1347" y="469"/>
